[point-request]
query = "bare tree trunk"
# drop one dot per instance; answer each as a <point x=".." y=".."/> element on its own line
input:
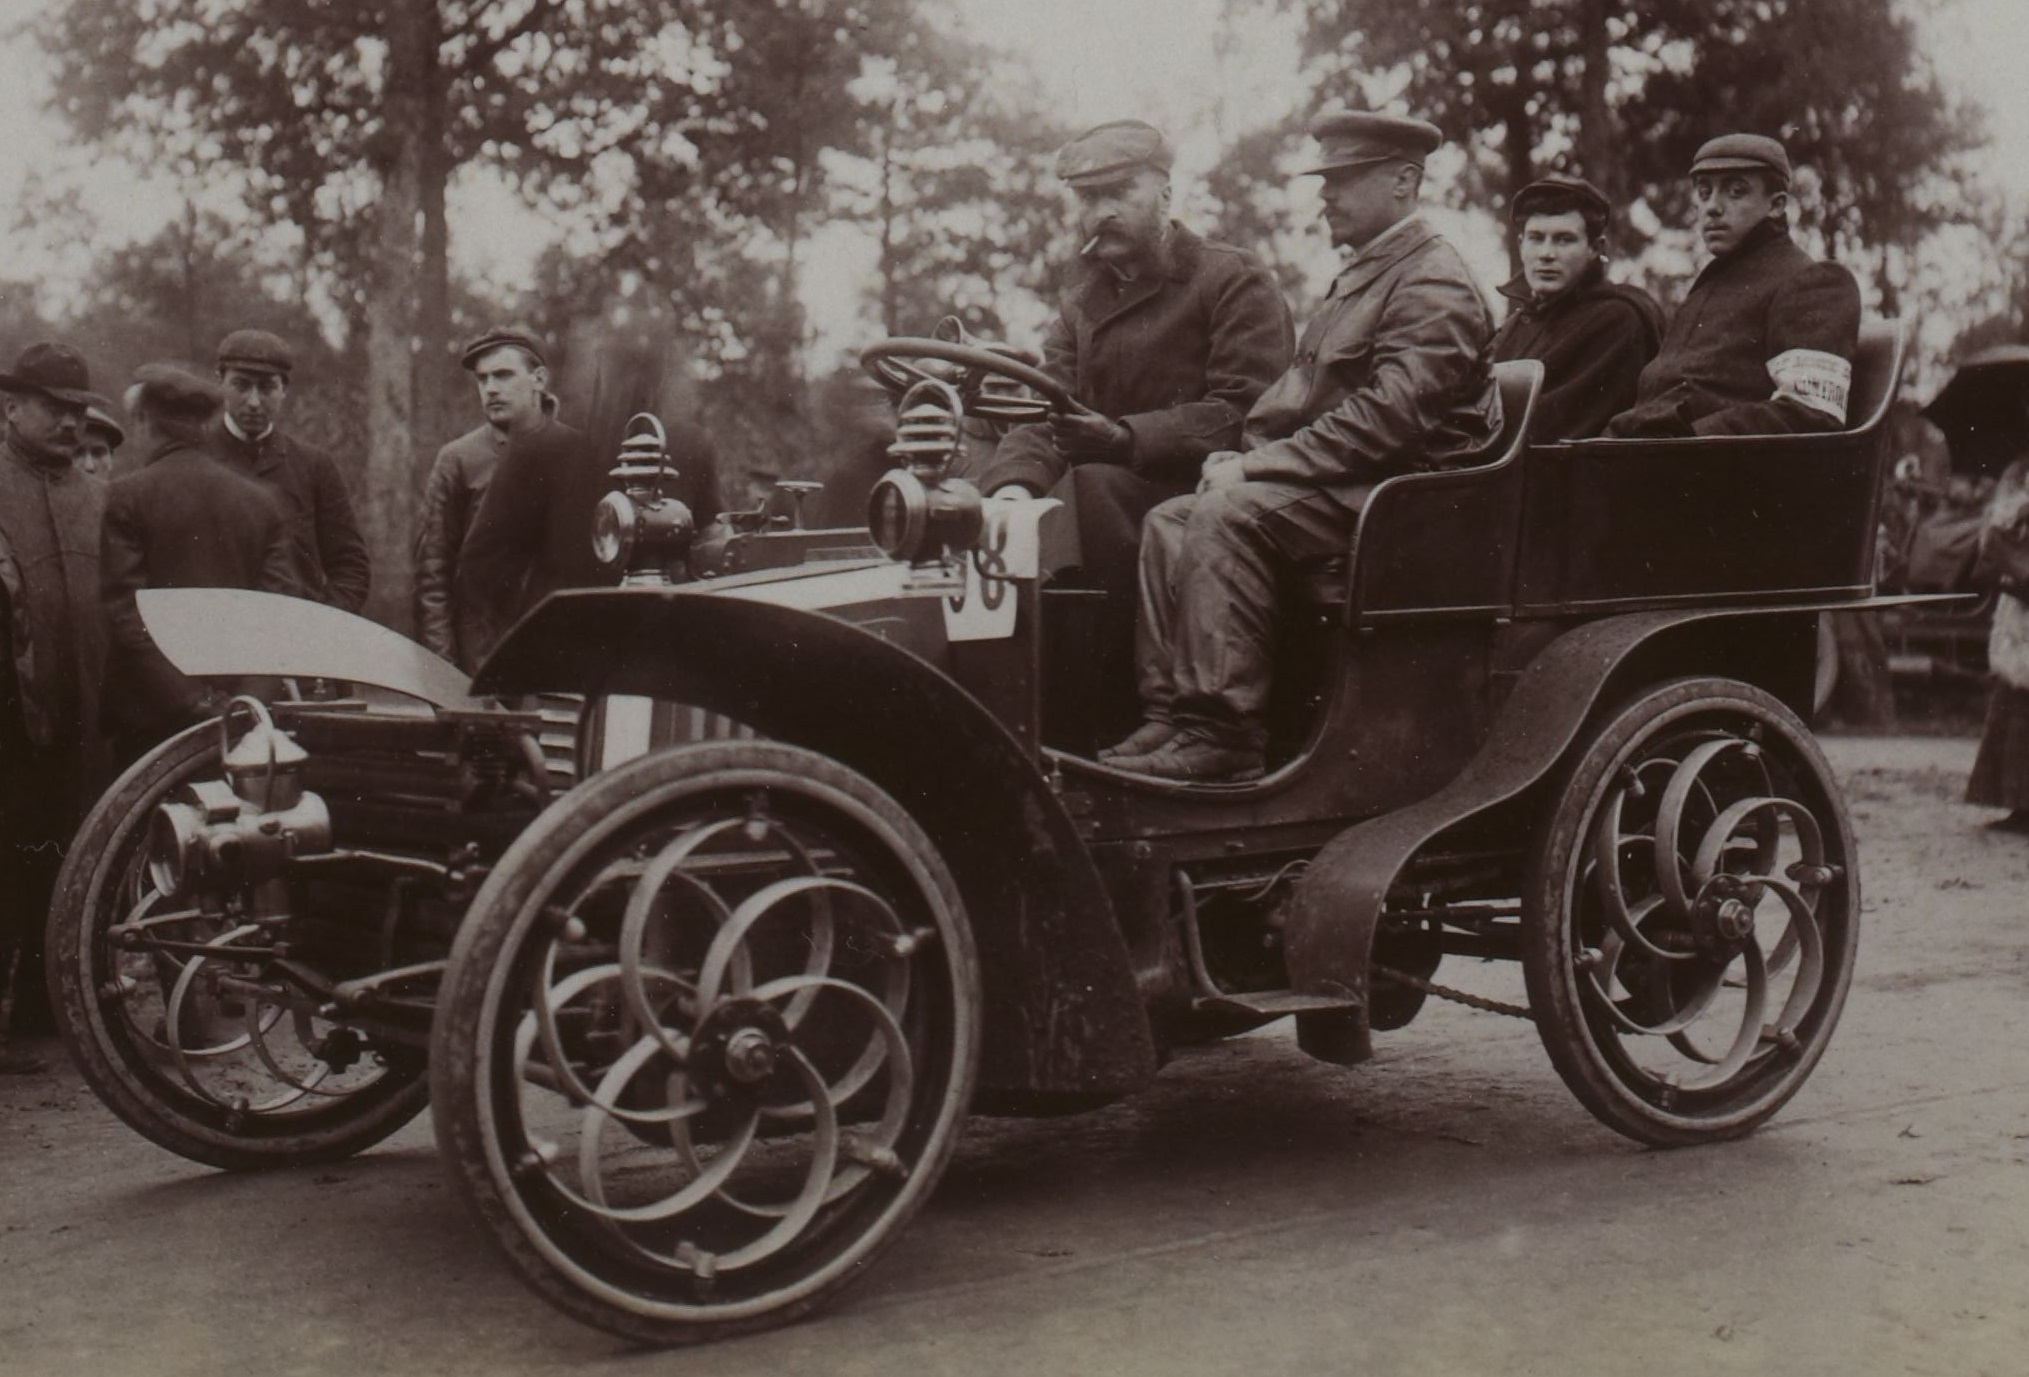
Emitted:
<point x="437" y="376"/>
<point x="388" y="505"/>
<point x="1595" y="116"/>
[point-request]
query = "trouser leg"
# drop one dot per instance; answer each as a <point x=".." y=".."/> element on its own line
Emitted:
<point x="1106" y="505"/>
<point x="1234" y="540"/>
<point x="1162" y="544"/>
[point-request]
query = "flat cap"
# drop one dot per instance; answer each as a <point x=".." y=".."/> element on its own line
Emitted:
<point x="54" y="370"/>
<point x="1358" y="138"/>
<point x="255" y="351"/>
<point x="1113" y="151"/>
<point x="1742" y="152"/>
<point x="506" y="336"/>
<point x="1557" y="193"/>
<point x="167" y="390"/>
<point x="101" y="421"/>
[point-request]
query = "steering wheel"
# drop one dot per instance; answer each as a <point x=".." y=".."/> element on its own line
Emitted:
<point x="900" y="363"/>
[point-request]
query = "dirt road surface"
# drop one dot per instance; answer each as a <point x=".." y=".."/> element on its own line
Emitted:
<point x="1447" y="1208"/>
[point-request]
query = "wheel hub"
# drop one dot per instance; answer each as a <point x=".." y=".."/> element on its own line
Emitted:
<point x="737" y="1048"/>
<point x="1722" y="918"/>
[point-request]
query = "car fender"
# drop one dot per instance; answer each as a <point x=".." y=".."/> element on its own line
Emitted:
<point x="1337" y="905"/>
<point x="1063" y="1015"/>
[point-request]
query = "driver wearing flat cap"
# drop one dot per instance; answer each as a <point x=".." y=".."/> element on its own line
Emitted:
<point x="1763" y="344"/>
<point x="1165" y="340"/>
<point x="1391" y="376"/>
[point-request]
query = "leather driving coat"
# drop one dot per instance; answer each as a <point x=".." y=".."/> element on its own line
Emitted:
<point x="1391" y="375"/>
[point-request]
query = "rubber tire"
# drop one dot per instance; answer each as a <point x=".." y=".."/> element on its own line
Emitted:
<point x="1556" y="853"/>
<point x="160" y="1109"/>
<point x="485" y="944"/>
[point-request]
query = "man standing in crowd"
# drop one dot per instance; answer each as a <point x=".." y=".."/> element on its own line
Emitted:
<point x="1592" y="336"/>
<point x="183" y="520"/>
<point x="55" y="652"/>
<point x="1165" y="340"/>
<point x="533" y="531"/>
<point x="1392" y="376"/>
<point x="514" y="394"/>
<point x="1763" y="344"/>
<point x="102" y="437"/>
<point x="329" y="552"/>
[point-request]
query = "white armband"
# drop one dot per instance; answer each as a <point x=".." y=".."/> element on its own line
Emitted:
<point x="1814" y="378"/>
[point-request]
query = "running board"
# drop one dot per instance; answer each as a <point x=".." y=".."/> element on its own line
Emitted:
<point x="1271" y="1003"/>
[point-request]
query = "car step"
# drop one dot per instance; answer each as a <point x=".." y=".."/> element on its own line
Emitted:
<point x="1273" y="1003"/>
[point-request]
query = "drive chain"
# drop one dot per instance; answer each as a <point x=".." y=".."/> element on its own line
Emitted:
<point x="1471" y="1001"/>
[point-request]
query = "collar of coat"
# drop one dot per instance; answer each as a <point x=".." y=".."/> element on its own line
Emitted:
<point x="1760" y="237"/>
<point x="1381" y="253"/>
<point x="170" y="448"/>
<point x="1096" y="282"/>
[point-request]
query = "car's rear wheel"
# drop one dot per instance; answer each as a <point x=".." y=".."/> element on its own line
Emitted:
<point x="1691" y="914"/>
<point x="166" y="1006"/>
<point x="707" y="1039"/>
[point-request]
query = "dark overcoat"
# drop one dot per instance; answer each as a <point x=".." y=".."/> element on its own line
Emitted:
<point x="1763" y="345"/>
<point x="1593" y="342"/>
<point x="1178" y="355"/>
<point x="183" y="520"/>
<point x="329" y="553"/>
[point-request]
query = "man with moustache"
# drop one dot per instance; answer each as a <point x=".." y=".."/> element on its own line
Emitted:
<point x="329" y="551"/>
<point x="513" y="380"/>
<point x="1165" y="340"/>
<point x="1391" y="377"/>
<point x="1763" y="344"/>
<point x="1592" y="336"/>
<point x="55" y="649"/>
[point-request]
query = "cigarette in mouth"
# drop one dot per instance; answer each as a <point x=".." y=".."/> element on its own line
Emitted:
<point x="1091" y="246"/>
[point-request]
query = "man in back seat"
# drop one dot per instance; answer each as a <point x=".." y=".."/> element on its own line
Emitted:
<point x="1392" y="376"/>
<point x="1763" y="344"/>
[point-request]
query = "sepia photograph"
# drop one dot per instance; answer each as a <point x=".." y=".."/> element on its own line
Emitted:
<point x="1014" y="687"/>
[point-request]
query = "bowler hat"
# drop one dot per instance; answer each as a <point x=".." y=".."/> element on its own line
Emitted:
<point x="255" y="351"/>
<point x="167" y="390"/>
<point x="1557" y="193"/>
<point x="1357" y="138"/>
<point x="55" y="370"/>
<point x="506" y="337"/>
<point x="1112" y="152"/>
<point x="1743" y="152"/>
<point x="96" y="419"/>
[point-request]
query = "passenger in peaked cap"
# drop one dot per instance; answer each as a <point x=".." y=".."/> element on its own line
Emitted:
<point x="1164" y="339"/>
<point x="512" y="380"/>
<point x="1391" y="376"/>
<point x="53" y="654"/>
<point x="1592" y="336"/>
<point x="329" y="552"/>
<point x="184" y="519"/>
<point x="1763" y="344"/>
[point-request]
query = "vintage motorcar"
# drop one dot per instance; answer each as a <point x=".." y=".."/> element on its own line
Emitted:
<point x="701" y="1031"/>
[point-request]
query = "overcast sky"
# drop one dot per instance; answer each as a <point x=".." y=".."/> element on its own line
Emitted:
<point x="1095" y="59"/>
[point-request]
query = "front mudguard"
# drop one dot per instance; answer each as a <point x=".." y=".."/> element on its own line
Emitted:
<point x="1064" y="1021"/>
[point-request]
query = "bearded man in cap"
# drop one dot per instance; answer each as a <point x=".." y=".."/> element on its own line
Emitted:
<point x="1390" y="377"/>
<point x="182" y="520"/>
<point x="1165" y="340"/>
<point x="329" y="552"/>
<point x="513" y="381"/>
<point x="1592" y="336"/>
<point x="55" y="648"/>
<point x="1763" y="344"/>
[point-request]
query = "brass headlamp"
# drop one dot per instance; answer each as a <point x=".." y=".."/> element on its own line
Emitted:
<point x="641" y="532"/>
<point x="918" y="512"/>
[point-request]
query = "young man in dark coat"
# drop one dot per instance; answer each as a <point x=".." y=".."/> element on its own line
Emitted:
<point x="1391" y="377"/>
<point x="513" y="383"/>
<point x="1592" y="336"/>
<point x="53" y="656"/>
<point x="329" y="552"/>
<point x="533" y="531"/>
<point x="182" y="520"/>
<point x="1165" y="340"/>
<point x="1763" y="344"/>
